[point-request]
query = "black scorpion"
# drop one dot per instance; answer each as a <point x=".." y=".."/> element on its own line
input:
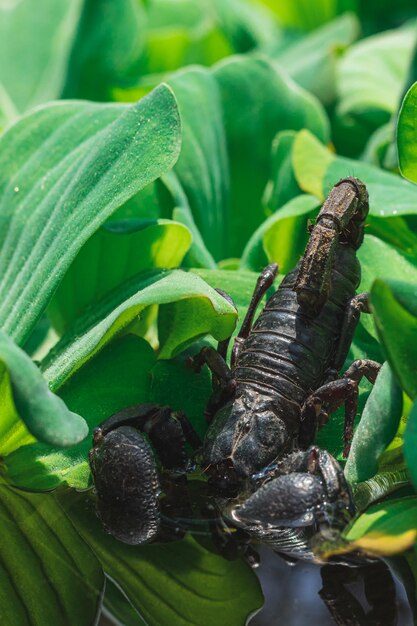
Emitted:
<point x="265" y="477"/>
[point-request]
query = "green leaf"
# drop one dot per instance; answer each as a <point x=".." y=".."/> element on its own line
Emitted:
<point x="310" y="160"/>
<point x="258" y="102"/>
<point x="189" y="29"/>
<point x="177" y="583"/>
<point x="194" y="308"/>
<point x="81" y="163"/>
<point x="48" y="575"/>
<point x="108" y="50"/>
<point x="312" y="61"/>
<point x="118" y="607"/>
<point x="307" y="16"/>
<point x="115" y="253"/>
<point x="178" y="386"/>
<point x="118" y="377"/>
<point x="317" y="170"/>
<point x="410" y="444"/>
<point x="373" y="71"/>
<point x="202" y="167"/>
<point x="230" y="116"/>
<point x="247" y="25"/>
<point x="378" y="425"/>
<point x="386" y="528"/>
<point x="282" y="237"/>
<point x="282" y="185"/>
<point x="394" y="304"/>
<point x="45" y="415"/>
<point x="239" y="285"/>
<point x="406" y="135"/>
<point x="380" y="260"/>
<point x="36" y="42"/>
<point x="198" y="254"/>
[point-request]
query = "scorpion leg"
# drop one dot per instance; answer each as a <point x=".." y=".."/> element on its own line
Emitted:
<point x="357" y="305"/>
<point x="264" y="282"/>
<point x="223" y="346"/>
<point x="125" y="472"/>
<point x="313" y="419"/>
<point x="334" y="394"/>
<point x="215" y="362"/>
<point x="224" y="384"/>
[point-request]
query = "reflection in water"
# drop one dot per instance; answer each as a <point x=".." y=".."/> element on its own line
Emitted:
<point x="292" y="595"/>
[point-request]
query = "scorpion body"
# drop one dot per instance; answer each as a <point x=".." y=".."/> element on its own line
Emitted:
<point x="266" y="477"/>
<point x="288" y="354"/>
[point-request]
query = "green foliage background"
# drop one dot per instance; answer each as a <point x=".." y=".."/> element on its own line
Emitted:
<point x="188" y="144"/>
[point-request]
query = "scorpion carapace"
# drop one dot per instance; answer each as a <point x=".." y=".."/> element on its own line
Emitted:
<point x="264" y="473"/>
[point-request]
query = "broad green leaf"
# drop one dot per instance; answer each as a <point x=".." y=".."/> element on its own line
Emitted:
<point x="312" y="61"/>
<point x="176" y="385"/>
<point x="45" y="415"/>
<point x="386" y="528"/>
<point x="317" y="170"/>
<point x="177" y="583"/>
<point x="379" y="146"/>
<point x="248" y="25"/>
<point x="282" y="185"/>
<point x="394" y="304"/>
<point x="115" y="253"/>
<point x="118" y="608"/>
<point x="258" y="102"/>
<point x="108" y="50"/>
<point x="282" y="237"/>
<point x="13" y="431"/>
<point x="373" y="71"/>
<point x="190" y="31"/>
<point x="81" y="163"/>
<point x="239" y="285"/>
<point x="230" y="116"/>
<point x="306" y="15"/>
<point x="410" y="444"/>
<point x="372" y="76"/>
<point x="198" y="254"/>
<point x="406" y="135"/>
<point x="194" y="307"/>
<point x="383" y="484"/>
<point x="202" y="167"/>
<point x="378" y="425"/>
<point x="380" y="260"/>
<point x="384" y="14"/>
<point x="310" y="160"/>
<point x="48" y="575"/>
<point x="118" y="377"/>
<point x="35" y="44"/>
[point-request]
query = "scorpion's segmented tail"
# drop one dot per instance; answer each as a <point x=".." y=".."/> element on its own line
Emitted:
<point x="341" y="219"/>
